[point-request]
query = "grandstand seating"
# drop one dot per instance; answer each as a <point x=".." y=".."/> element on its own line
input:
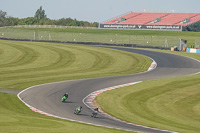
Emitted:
<point x="175" y="18"/>
<point x="192" y="20"/>
<point x="139" y="18"/>
<point x="127" y="16"/>
<point x="144" y="18"/>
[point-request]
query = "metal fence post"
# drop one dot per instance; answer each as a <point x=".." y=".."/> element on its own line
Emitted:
<point x="34" y="36"/>
<point x="49" y="36"/>
<point x="136" y="39"/>
<point x="122" y="39"/>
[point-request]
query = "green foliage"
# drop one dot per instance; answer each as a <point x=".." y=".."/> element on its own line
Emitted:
<point x="27" y="21"/>
<point x="74" y="22"/>
<point x="193" y="27"/>
<point x="2" y="17"/>
<point x="7" y="20"/>
<point x="40" y="14"/>
<point x="46" y="21"/>
<point x="40" y="18"/>
<point x="11" y="21"/>
<point x="66" y="22"/>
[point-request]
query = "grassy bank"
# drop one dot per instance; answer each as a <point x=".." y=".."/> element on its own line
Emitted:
<point x="15" y="117"/>
<point x="170" y="104"/>
<point x="24" y="64"/>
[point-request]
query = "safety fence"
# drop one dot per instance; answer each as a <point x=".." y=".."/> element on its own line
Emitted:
<point x="48" y="26"/>
<point x="197" y="44"/>
<point x="41" y="35"/>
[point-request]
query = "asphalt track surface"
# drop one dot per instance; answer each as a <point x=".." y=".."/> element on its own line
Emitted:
<point x="47" y="97"/>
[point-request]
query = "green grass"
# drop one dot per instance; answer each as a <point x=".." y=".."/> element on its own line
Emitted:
<point x="24" y="64"/>
<point x="15" y="117"/>
<point x="171" y="104"/>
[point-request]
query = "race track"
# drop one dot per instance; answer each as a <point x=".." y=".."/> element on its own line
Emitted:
<point x="47" y="97"/>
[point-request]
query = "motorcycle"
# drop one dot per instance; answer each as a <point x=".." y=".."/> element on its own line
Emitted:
<point x="64" y="98"/>
<point x="78" y="110"/>
<point x="94" y="114"/>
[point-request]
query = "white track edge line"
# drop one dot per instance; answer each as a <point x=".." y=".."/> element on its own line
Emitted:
<point x="115" y="87"/>
<point x="47" y="114"/>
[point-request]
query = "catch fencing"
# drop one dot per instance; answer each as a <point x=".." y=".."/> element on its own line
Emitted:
<point x="48" y="26"/>
<point x="197" y="44"/>
<point x="139" y="40"/>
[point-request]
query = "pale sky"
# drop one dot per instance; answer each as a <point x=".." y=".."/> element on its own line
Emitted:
<point x="94" y="10"/>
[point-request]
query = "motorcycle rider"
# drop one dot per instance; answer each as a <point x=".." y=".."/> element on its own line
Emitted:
<point x="78" y="110"/>
<point x="94" y="114"/>
<point x="65" y="96"/>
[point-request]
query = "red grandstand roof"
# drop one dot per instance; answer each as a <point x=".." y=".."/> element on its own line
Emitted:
<point x="141" y="18"/>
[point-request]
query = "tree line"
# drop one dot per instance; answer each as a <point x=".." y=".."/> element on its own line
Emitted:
<point x="40" y="18"/>
<point x="195" y="27"/>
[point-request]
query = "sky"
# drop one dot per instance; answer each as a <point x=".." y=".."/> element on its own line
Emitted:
<point x="94" y="10"/>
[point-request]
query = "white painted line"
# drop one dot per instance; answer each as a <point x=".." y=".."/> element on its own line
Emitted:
<point x="153" y="65"/>
<point x="47" y="114"/>
<point x="91" y="106"/>
<point x="44" y="113"/>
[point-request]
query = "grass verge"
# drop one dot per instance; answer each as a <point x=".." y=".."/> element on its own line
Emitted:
<point x="24" y="64"/>
<point x="170" y="104"/>
<point x="17" y="118"/>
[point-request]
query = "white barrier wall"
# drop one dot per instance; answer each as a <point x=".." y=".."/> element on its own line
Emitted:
<point x="193" y="50"/>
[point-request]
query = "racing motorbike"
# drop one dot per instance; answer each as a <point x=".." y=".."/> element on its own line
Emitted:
<point x="94" y="114"/>
<point x="77" y="110"/>
<point x="63" y="99"/>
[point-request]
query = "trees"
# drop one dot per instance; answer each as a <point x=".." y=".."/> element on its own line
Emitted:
<point x="7" y="20"/>
<point x="27" y="21"/>
<point x="40" y="18"/>
<point x="193" y="27"/>
<point x="2" y="17"/>
<point x="10" y="21"/>
<point x="40" y="14"/>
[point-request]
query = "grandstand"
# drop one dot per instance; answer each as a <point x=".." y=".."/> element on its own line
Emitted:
<point x="152" y="21"/>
